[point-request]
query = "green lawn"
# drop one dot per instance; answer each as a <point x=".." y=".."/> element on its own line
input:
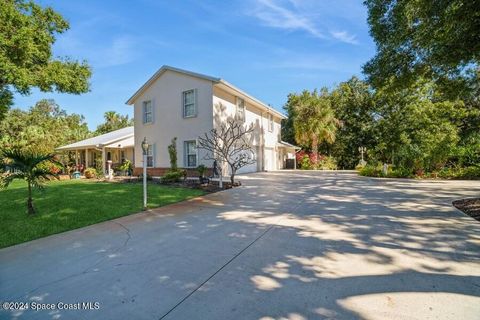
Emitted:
<point x="71" y="204"/>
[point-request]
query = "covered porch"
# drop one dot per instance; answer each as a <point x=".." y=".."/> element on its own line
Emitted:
<point x="103" y="152"/>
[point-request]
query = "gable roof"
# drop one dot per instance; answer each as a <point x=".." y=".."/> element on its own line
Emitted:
<point x="121" y="136"/>
<point x="161" y="71"/>
<point x="214" y="80"/>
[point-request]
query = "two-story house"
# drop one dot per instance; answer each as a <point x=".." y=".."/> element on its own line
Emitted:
<point x="184" y="104"/>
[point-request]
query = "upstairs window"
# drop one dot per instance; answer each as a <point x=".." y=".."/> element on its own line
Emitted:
<point x="190" y="151"/>
<point x="189" y="107"/>
<point x="270" y="123"/>
<point x="240" y="112"/>
<point x="147" y="112"/>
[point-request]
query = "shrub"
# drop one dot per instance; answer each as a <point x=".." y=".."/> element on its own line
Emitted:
<point x="172" y="152"/>
<point x="201" y="170"/>
<point x="126" y="167"/>
<point x="173" y="176"/>
<point x="467" y="173"/>
<point x="305" y="163"/>
<point x="327" y="163"/>
<point x="90" y="173"/>
<point x="400" y="172"/>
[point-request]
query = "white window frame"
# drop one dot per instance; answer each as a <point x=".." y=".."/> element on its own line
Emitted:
<point x="151" y="155"/>
<point x="186" y="154"/>
<point x="240" y="112"/>
<point x="144" y="111"/>
<point x="194" y="103"/>
<point x="270" y="122"/>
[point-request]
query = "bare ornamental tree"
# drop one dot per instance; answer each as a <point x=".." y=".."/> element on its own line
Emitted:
<point x="229" y="143"/>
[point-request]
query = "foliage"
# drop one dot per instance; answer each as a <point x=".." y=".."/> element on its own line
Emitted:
<point x="113" y="121"/>
<point x="172" y="153"/>
<point x="42" y="128"/>
<point x="313" y="119"/>
<point x="27" y="33"/>
<point x="173" y="176"/>
<point x="230" y="143"/>
<point x="327" y="163"/>
<point x="201" y="169"/>
<point x="306" y="163"/>
<point x="436" y="40"/>
<point x="90" y="173"/>
<point x="126" y="166"/>
<point x="70" y="204"/>
<point x="354" y="106"/>
<point x="26" y="165"/>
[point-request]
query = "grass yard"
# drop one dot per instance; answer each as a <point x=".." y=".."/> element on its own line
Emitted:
<point x="71" y="204"/>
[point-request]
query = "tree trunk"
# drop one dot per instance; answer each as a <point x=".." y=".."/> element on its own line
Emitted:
<point x="31" y="209"/>
<point x="232" y="176"/>
<point x="315" y="151"/>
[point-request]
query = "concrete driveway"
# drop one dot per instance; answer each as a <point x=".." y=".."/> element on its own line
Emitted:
<point x="286" y="245"/>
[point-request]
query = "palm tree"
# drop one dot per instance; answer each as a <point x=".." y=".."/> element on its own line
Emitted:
<point x="314" y="120"/>
<point x="29" y="166"/>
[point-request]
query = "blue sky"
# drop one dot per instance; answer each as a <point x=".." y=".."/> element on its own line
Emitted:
<point x="268" y="48"/>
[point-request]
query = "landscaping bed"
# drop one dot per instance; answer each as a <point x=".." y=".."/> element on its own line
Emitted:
<point x="469" y="206"/>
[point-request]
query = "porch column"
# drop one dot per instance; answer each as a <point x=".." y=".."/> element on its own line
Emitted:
<point x="104" y="159"/>
<point x="86" y="158"/>
<point x="76" y="158"/>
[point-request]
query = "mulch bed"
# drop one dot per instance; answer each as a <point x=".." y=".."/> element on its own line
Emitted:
<point x="469" y="206"/>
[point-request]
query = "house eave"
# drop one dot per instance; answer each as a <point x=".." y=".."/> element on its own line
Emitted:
<point x="159" y="72"/>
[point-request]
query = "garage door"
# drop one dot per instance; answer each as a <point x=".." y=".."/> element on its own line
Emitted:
<point x="270" y="159"/>
<point x="250" y="167"/>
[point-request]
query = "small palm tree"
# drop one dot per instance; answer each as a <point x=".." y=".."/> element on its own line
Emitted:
<point x="29" y="166"/>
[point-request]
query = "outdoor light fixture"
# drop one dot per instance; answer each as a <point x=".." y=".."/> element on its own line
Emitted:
<point x="145" y="151"/>
<point x="145" y="146"/>
<point x="362" y="150"/>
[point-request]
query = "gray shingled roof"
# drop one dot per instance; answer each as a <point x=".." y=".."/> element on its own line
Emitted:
<point x="101" y="140"/>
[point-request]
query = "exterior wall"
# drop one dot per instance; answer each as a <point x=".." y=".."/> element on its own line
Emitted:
<point x="224" y="106"/>
<point x="168" y="122"/>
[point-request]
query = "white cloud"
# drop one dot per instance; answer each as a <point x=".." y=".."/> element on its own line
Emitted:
<point x="344" y="36"/>
<point x="292" y="16"/>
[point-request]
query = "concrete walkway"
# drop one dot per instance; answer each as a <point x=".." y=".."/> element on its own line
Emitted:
<point x="285" y="245"/>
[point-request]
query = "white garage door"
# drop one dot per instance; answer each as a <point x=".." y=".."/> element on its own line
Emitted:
<point x="270" y="159"/>
<point x="250" y="167"/>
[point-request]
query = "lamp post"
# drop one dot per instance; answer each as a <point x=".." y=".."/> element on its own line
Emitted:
<point x="362" y="150"/>
<point x="145" y="150"/>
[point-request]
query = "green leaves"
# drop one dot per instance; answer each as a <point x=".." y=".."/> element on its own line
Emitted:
<point x="113" y="121"/>
<point x="27" y="33"/>
<point x="437" y="40"/>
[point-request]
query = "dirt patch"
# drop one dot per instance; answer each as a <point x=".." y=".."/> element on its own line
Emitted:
<point x="469" y="206"/>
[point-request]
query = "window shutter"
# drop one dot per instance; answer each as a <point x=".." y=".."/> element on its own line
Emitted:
<point x="152" y="103"/>
<point x="182" y="103"/>
<point x="195" y="93"/>
<point x="154" y="154"/>
<point x="143" y="112"/>
<point x="185" y="151"/>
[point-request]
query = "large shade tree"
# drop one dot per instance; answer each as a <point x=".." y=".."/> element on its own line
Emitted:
<point x="41" y="128"/>
<point x="314" y="121"/>
<point x="27" y="33"/>
<point x="354" y="105"/>
<point x="436" y="40"/>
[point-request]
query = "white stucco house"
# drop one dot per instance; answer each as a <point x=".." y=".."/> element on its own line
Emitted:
<point x="184" y="104"/>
